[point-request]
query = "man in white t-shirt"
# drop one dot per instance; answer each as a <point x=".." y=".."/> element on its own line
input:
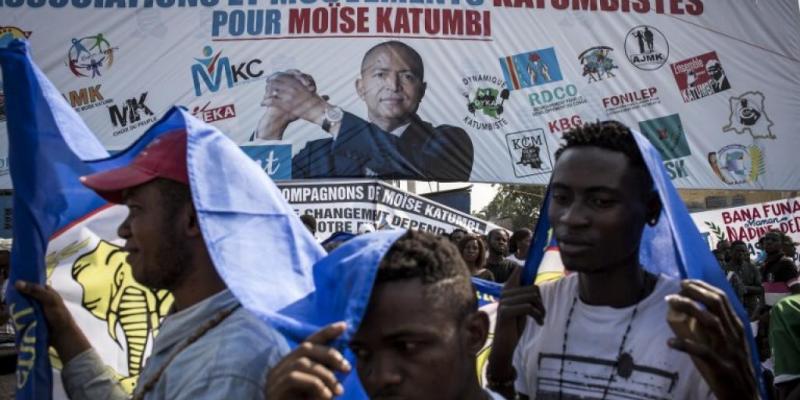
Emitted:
<point x="602" y="332"/>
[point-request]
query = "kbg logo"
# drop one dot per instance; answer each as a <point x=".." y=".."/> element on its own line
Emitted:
<point x="646" y="48"/>
<point x="667" y="136"/>
<point x="529" y="152"/>
<point x="212" y="68"/>
<point x="485" y="96"/>
<point x="736" y="164"/>
<point x="86" y="98"/>
<point x="132" y="114"/>
<point x="215" y="113"/>
<point x="90" y="54"/>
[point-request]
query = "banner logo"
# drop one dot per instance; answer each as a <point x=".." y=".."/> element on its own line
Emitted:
<point x="700" y="76"/>
<point x="275" y="160"/>
<point x="631" y="100"/>
<point x="529" y="152"/>
<point x="215" y="113"/>
<point x="749" y="116"/>
<point x="556" y="98"/>
<point x="736" y="164"/>
<point x="210" y="70"/>
<point x="9" y="33"/>
<point x="86" y="98"/>
<point x="646" y="48"/>
<point x="597" y="63"/>
<point x="667" y="136"/>
<point x="90" y="55"/>
<point x="485" y="95"/>
<point x="530" y="69"/>
<point x="132" y="114"/>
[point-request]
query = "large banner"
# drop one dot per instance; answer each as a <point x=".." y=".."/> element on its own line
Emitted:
<point x="749" y="223"/>
<point x="475" y="90"/>
<point x="347" y="205"/>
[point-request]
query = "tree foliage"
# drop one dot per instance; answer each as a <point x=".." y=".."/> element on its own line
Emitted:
<point x="515" y="206"/>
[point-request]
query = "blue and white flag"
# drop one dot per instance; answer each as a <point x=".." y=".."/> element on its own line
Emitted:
<point x="64" y="234"/>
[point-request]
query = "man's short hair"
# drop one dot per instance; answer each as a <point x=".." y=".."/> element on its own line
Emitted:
<point x="494" y="232"/>
<point x="450" y="236"/>
<point x="519" y="234"/>
<point x="414" y="59"/>
<point x="437" y="263"/>
<point x="609" y="135"/>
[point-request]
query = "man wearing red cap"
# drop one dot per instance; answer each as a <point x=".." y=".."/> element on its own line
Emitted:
<point x="209" y="346"/>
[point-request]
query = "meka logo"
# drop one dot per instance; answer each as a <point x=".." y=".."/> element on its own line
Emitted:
<point x="212" y="114"/>
<point x="210" y="70"/>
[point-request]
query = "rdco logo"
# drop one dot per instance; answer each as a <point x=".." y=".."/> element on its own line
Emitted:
<point x="544" y="97"/>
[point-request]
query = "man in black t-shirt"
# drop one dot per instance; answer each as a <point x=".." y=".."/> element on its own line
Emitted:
<point x="498" y="249"/>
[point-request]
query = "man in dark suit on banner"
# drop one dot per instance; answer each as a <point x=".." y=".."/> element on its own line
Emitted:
<point x="395" y="143"/>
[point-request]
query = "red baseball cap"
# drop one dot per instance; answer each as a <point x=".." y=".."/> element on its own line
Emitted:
<point x="165" y="157"/>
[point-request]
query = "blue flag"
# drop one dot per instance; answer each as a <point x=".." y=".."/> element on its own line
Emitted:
<point x="673" y="247"/>
<point x="49" y="149"/>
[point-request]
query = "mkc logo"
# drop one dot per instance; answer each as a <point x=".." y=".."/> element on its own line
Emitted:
<point x="86" y="98"/>
<point x="132" y="114"/>
<point x="529" y="152"/>
<point x="211" y="68"/>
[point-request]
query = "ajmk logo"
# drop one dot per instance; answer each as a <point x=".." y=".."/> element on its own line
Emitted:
<point x="131" y="111"/>
<point x="212" y="68"/>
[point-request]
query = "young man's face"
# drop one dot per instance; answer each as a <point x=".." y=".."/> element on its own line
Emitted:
<point x="155" y="251"/>
<point x="598" y="209"/>
<point x="408" y="349"/>
<point x="390" y="85"/>
<point x="498" y="242"/>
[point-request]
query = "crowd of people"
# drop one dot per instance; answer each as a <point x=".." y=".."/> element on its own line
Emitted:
<point x="600" y="332"/>
<point x="769" y="289"/>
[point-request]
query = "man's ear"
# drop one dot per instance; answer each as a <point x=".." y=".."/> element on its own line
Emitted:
<point x="191" y="224"/>
<point x="476" y="326"/>
<point x="424" y="89"/>
<point x="654" y="207"/>
<point x="360" y="88"/>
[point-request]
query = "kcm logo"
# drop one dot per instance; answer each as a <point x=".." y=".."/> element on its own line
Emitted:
<point x="212" y="68"/>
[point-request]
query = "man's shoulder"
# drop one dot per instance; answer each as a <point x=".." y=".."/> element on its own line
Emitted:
<point x="243" y="339"/>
